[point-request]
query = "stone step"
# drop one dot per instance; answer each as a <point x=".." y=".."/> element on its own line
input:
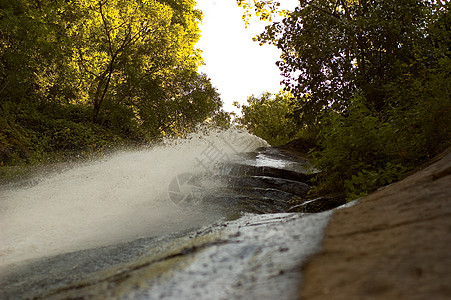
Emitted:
<point x="239" y="169"/>
<point x="286" y="185"/>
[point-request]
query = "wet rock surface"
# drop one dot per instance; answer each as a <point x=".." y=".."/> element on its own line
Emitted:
<point x="35" y="278"/>
<point x="256" y="256"/>
<point x="319" y="204"/>
<point x="258" y="182"/>
<point x="293" y="187"/>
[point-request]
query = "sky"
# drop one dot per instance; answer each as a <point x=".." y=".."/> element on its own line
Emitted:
<point x="237" y="66"/>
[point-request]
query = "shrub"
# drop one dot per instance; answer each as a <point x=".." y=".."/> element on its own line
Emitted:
<point x="354" y="148"/>
<point x="270" y="117"/>
<point x="361" y="150"/>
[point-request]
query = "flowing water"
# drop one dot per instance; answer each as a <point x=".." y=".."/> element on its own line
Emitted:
<point x="116" y="199"/>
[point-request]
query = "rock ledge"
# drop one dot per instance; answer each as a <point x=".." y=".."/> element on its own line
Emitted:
<point x="395" y="244"/>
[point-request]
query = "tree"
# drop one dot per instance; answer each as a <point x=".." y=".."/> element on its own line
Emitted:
<point x="266" y="10"/>
<point x="82" y="73"/>
<point x="270" y="117"/>
<point x="33" y="69"/>
<point x="177" y="107"/>
<point x="331" y="49"/>
<point x="118" y="41"/>
<point x="32" y="48"/>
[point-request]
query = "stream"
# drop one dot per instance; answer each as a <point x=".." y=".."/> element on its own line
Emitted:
<point x="210" y="216"/>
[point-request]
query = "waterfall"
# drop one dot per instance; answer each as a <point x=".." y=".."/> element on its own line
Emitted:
<point x="115" y="199"/>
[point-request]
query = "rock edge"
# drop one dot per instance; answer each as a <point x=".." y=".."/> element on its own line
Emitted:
<point x="395" y="244"/>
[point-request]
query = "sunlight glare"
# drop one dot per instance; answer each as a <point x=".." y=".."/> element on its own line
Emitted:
<point x="237" y="66"/>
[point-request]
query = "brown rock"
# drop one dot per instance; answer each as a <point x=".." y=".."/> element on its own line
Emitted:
<point x="395" y="244"/>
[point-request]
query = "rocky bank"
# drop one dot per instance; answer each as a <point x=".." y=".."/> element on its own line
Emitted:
<point x="395" y="244"/>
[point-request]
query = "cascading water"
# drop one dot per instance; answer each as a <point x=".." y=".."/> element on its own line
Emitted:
<point x="116" y="199"/>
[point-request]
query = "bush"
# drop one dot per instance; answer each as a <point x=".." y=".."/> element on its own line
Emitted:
<point x="361" y="150"/>
<point x="354" y="148"/>
<point x="270" y="117"/>
<point x="57" y="132"/>
<point x="366" y="181"/>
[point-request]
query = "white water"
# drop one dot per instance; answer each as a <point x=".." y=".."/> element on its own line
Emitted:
<point x="116" y="199"/>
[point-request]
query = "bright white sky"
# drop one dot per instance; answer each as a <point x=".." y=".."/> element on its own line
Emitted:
<point x="237" y="66"/>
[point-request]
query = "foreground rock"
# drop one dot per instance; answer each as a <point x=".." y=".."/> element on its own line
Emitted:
<point x="395" y="244"/>
<point x="254" y="257"/>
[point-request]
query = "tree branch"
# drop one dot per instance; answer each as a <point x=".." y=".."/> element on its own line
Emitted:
<point x="105" y="26"/>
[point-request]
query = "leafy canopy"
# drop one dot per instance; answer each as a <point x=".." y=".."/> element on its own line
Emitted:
<point x="269" y="117"/>
<point x="124" y="67"/>
<point x="331" y="49"/>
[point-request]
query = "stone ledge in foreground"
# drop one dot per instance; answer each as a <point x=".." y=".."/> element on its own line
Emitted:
<point x="395" y="244"/>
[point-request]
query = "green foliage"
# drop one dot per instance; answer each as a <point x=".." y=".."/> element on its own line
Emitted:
<point x="350" y="143"/>
<point x="331" y="49"/>
<point x="186" y="100"/>
<point x="375" y="78"/>
<point x="35" y="135"/>
<point x="120" y="43"/>
<point x="270" y="117"/>
<point x="79" y="75"/>
<point x="367" y="181"/>
<point x="361" y="150"/>
<point x="221" y="119"/>
<point x="265" y="10"/>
